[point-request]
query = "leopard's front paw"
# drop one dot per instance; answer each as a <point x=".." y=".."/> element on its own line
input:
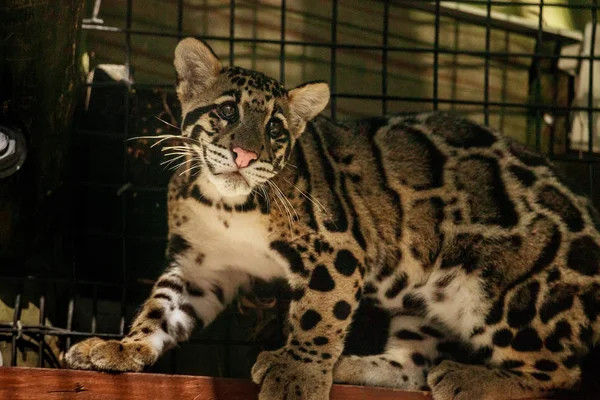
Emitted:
<point x="455" y="381"/>
<point x="78" y="356"/>
<point x="111" y="355"/>
<point x="282" y="377"/>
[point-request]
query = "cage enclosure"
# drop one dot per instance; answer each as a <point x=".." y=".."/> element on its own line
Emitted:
<point x="527" y="68"/>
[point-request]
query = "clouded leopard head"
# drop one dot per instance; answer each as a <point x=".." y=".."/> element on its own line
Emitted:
<point x="241" y="124"/>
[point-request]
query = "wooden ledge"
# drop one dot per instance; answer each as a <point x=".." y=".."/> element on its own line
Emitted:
<point x="43" y="383"/>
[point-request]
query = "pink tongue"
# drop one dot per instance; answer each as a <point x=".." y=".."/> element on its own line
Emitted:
<point x="244" y="157"/>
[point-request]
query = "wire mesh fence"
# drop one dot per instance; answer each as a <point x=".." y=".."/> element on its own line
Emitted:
<point x="516" y="66"/>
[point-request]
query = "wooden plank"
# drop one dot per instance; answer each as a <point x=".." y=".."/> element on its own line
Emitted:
<point x="63" y="384"/>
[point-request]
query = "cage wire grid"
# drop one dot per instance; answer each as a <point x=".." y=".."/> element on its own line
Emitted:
<point x="73" y="285"/>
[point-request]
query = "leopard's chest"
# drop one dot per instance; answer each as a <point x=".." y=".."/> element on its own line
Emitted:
<point x="229" y="239"/>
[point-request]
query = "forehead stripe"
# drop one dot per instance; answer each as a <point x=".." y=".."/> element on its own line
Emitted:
<point x="193" y="116"/>
<point x="288" y="149"/>
<point x="277" y="110"/>
<point x="232" y="92"/>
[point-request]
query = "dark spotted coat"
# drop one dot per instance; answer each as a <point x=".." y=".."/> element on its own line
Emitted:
<point x="470" y="241"/>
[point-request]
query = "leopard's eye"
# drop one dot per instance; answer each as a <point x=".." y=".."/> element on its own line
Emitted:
<point x="228" y="111"/>
<point x="274" y="128"/>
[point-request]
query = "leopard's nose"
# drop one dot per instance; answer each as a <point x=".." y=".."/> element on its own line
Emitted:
<point x="243" y="157"/>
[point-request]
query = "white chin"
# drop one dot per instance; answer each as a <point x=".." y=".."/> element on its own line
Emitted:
<point x="230" y="185"/>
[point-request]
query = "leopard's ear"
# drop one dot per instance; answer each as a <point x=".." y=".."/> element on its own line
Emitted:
<point x="197" y="67"/>
<point x="309" y="99"/>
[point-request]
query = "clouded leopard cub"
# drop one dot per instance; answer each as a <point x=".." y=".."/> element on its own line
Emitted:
<point x="463" y="235"/>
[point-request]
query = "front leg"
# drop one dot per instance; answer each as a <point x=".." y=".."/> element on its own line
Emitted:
<point x="175" y="306"/>
<point x="326" y="287"/>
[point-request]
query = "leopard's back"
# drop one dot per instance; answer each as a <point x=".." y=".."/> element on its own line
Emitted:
<point x="435" y="197"/>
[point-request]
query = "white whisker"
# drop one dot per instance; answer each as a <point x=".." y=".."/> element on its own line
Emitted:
<point x="284" y="199"/>
<point x="263" y="178"/>
<point x="277" y="204"/>
<point x="169" y="161"/>
<point x="197" y="166"/>
<point x="169" y="148"/>
<point x="162" y="138"/>
<point x="311" y="198"/>
<point x="167" y="123"/>
<point x="266" y="195"/>
<point x="180" y="164"/>
<point x="179" y="153"/>
<point x="287" y="211"/>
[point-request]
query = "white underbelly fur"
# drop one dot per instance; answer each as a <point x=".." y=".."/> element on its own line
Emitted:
<point x="231" y="241"/>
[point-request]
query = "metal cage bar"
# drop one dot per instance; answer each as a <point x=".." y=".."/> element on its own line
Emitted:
<point x="442" y="10"/>
<point x="436" y="55"/>
<point x="590" y="100"/>
<point x="231" y="32"/>
<point x="282" y="45"/>
<point x="486" y="66"/>
<point x="42" y="337"/>
<point x="334" y="47"/>
<point x="538" y="79"/>
<point x="348" y="46"/>
<point x="129" y="18"/>
<point x="384" y="57"/>
<point x="16" y="325"/>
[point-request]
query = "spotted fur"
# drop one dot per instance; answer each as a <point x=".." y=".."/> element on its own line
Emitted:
<point x="486" y="261"/>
